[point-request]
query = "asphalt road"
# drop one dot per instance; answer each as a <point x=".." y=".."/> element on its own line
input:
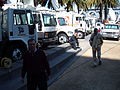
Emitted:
<point x="82" y="76"/>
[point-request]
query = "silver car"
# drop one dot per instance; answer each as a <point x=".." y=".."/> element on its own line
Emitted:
<point x="111" y="31"/>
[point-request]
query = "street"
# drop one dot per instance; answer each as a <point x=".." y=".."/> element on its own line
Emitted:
<point x="82" y="76"/>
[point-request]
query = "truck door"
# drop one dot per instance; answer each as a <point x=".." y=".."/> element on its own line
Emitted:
<point x="23" y="25"/>
<point x="20" y="27"/>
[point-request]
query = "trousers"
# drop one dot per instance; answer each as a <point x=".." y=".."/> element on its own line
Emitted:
<point x="38" y="81"/>
<point x="96" y="53"/>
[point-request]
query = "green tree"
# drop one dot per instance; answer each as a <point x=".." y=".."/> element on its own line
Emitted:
<point x="103" y="3"/>
<point x="109" y="4"/>
<point x="68" y="3"/>
<point x="96" y="4"/>
<point x="80" y="4"/>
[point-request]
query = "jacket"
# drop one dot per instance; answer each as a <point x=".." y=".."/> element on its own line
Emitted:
<point x="96" y="41"/>
<point x="35" y="63"/>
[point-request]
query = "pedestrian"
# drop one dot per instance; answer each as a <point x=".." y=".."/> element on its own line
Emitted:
<point x="36" y="66"/>
<point x="74" y="40"/>
<point x="96" y="42"/>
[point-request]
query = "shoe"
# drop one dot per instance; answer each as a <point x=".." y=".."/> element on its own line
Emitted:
<point x="79" y="48"/>
<point x="94" y="65"/>
<point x="100" y="62"/>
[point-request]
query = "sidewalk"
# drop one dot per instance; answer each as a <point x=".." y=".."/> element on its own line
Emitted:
<point x="81" y="76"/>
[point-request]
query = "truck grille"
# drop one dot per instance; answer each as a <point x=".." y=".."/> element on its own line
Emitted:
<point x="51" y="34"/>
<point x="110" y="32"/>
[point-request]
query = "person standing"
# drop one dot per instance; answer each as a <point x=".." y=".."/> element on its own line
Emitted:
<point x="36" y="66"/>
<point x="96" y="42"/>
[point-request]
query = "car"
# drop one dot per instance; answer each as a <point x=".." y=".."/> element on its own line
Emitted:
<point x="111" y="31"/>
<point x="99" y="26"/>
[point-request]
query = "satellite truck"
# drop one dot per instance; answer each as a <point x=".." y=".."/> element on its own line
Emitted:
<point x="16" y="28"/>
<point x="46" y="26"/>
<point x="67" y="23"/>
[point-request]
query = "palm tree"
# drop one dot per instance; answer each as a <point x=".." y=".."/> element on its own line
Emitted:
<point x="79" y="3"/>
<point x="42" y="2"/>
<point x="103" y="3"/>
<point x="110" y="4"/>
<point x="68" y="3"/>
<point x="96" y="4"/>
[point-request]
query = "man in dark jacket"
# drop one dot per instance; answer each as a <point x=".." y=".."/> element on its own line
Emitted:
<point x="36" y="66"/>
<point x="74" y="40"/>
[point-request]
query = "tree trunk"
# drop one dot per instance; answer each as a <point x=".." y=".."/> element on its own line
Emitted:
<point x="78" y="8"/>
<point x="67" y="8"/>
<point x="35" y="3"/>
<point x="106" y="12"/>
<point x="101" y="8"/>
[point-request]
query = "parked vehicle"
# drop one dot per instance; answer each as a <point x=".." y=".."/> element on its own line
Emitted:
<point x="77" y="21"/>
<point x="99" y="26"/>
<point x="111" y="31"/>
<point x="16" y="28"/>
<point x="64" y="30"/>
<point x="84" y="25"/>
<point x="46" y="29"/>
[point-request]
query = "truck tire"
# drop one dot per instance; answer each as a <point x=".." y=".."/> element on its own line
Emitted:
<point x="62" y="38"/>
<point x="81" y="35"/>
<point x="6" y="62"/>
<point x="118" y="38"/>
<point x="14" y="53"/>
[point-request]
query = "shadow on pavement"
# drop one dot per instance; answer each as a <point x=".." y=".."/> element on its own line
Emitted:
<point x="81" y="76"/>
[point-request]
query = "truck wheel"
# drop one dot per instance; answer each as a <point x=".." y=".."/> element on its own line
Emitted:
<point x="62" y="38"/>
<point x="15" y="53"/>
<point x="81" y="35"/>
<point x="118" y="38"/>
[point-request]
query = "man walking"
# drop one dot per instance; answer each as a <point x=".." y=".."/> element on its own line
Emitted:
<point x="96" y="42"/>
<point x="36" y="66"/>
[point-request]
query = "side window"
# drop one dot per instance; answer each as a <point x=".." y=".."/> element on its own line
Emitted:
<point x="4" y="24"/>
<point x="52" y="21"/>
<point x="30" y="18"/>
<point x="61" y="21"/>
<point x="80" y="25"/>
<point x="77" y="19"/>
<point x="20" y="18"/>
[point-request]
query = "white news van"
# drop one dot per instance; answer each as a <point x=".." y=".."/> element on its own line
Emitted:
<point x="77" y="21"/>
<point x="16" y="28"/>
<point x="46" y="29"/>
<point x="64" y="29"/>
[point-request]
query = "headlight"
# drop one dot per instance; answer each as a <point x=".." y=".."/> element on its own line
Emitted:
<point x="46" y="35"/>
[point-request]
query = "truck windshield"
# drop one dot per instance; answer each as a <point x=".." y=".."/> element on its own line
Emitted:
<point x="61" y="21"/>
<point x="49" y="20"/>
<point x="111" y="27"/>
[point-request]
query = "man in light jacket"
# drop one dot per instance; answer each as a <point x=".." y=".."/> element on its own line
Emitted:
<point x="96" y="42"/>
